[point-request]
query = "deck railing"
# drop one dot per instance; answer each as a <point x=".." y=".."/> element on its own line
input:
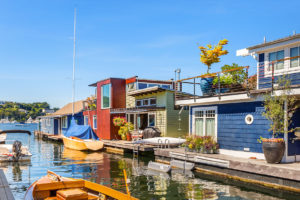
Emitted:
<point x="234" y="80"/>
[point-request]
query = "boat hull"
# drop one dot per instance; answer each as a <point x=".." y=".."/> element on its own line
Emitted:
<point x="82" y="145"/>
<point x="74" y="144"/>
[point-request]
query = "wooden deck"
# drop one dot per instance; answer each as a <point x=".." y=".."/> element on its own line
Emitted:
<point x="127" y="145"/>
<point x="281" y="176"/>
<point x="47" y="136"/>
<point x="5" y="192"/>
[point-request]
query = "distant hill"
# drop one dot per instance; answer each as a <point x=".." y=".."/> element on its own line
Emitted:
<point x="22" y="111"/>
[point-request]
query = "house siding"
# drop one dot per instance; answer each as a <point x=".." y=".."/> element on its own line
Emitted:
<point x="46" y="127"/>
<point x="233" y="133"/>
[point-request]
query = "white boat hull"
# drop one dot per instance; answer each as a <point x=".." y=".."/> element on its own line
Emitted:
<point x="161" y="141"/>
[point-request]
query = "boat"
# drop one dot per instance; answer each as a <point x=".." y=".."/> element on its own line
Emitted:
<point x="80" y="137"/>
<point x="165" y="141"/>
<point x="159" y="167"/>
<point x="14" y="152"/>
<point x="53" y="186"/>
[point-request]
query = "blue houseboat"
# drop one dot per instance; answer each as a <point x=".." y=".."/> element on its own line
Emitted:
<point x="234" y="117"/>
<point x="59" y="122"/>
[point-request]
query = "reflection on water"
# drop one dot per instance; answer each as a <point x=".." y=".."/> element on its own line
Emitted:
<point x="107" y="169"/>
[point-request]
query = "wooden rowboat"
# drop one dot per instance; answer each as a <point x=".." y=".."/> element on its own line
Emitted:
<point x="55" y="187"/>
<point x="80" y="144"/>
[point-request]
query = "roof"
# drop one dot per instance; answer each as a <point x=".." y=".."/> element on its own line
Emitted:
<point x="148" y="90"/>
<point x="296" y="36"/>
<point x="95" y="84"/>
<point x="67" y="109"/>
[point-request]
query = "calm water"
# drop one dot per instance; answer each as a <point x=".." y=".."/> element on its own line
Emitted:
<point x="107" y="169"/>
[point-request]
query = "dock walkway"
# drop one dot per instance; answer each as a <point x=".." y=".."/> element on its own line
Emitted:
<point x="5" y="192"/>
<point x="281" y="176"/>
<point x="123" y="145"/>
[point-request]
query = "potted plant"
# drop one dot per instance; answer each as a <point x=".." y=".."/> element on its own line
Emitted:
<point x="125" y="127"/>
<point x="279" y="110"/>
<point x="208" y="56"/>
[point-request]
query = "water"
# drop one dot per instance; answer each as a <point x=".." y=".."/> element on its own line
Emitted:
<point x="107" y="169"/>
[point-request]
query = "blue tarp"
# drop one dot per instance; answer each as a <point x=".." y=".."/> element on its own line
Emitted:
<point x="80" y="131"/>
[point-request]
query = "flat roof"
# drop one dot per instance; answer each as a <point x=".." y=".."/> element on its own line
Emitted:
<point x="296" y="36"/>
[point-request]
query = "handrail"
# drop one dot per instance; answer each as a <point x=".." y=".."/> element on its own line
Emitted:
<point x="201" y="76"/>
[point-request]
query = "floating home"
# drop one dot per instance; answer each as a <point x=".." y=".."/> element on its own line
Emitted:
<point x="58" y="123"/>
<point x="234" y="117"/>
<point x="144" y="102"/>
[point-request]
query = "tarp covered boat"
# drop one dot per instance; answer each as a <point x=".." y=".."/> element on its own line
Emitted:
<point x="53" y="186"/>
<point x="81" y="137"/>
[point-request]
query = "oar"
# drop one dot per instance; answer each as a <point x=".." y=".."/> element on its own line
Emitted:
<point x="127" y="189"/>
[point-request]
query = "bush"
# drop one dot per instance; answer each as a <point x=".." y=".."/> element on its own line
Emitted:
<point x="201" y="144"/>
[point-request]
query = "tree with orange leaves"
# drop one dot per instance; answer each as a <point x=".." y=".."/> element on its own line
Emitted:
<point x="211" y="54"/>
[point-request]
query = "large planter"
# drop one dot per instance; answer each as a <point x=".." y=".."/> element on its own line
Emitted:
<point x="222" y="90"/>
<point x="273" y="151"/>
<point x="206" y="85"/>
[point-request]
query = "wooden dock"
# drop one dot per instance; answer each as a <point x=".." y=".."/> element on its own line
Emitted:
<point x="121" y="146"/>
<point x="252" y="171"/>
<point x="5" y="192"/>
<point x="47" y="136"/>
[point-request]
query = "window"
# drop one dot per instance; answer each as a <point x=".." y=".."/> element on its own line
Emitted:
<point x="86" y="120"/>
<point x="146" y="102"/>
<point x="274" y="56"/>
<point x="105" y="96"/>
<point x="130" y="86"/>
<point x="138" y="103"/>
<point x="94" y="121"/>
<point x="153" y="85"/>
<point x="48" y="121"/>
<point x="166" y="86"/>
<point x="293" y="53"/>
<point x="64" y="122"/>
<point x="143" y="85"/>
<point x="205" y="122"/>
<point x="153" y="102"/>
<point x="151" y="119"/>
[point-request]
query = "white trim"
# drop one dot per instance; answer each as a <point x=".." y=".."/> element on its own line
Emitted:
<point x="109" y="93"/>
<point x="84" y="118"/>
<point x="242" y="154"/>
<point x="204" y="117"/>
<point x="215" y="100"/>
<point x="95" y="116"/>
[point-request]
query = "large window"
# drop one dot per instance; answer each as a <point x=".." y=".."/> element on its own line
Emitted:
<point x="105" y="96"/>
<point x="64" y="122"/>
<point x="94" y="121"/>
<point x="274" y="56"/>
<point x="147" y="85"/>
<point x="293" y="53"/>
<point x="205" y="122"/>
<point x="86" y="120"/>
<point x="151" y="120"/>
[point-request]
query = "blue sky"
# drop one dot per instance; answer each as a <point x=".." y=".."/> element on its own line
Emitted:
<point x="123" y="39"/>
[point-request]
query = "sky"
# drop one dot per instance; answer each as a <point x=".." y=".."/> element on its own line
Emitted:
<point x="149" y="39"/>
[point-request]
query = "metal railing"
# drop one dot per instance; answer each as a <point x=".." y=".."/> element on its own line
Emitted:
<point x="220" y="83"/>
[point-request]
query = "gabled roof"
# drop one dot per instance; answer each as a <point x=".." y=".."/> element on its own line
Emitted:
<point x="67" y="109"/>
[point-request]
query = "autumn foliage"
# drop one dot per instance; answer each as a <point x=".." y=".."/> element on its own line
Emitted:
<point x="211" y="54"/>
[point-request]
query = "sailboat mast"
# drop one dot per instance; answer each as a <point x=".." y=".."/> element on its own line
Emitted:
<point x="74" y="52"/>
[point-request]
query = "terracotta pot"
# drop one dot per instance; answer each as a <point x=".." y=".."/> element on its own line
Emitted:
<point x="273" y="151"/>
<point x="128" y="137"/>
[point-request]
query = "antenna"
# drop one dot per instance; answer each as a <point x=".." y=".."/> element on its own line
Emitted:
<point x="74" y="52"/>
<point x="265" y="39"/>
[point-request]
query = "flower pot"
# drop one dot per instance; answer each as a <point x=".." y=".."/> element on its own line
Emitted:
<point x="222" y="90"/>
<point x="273" y="151"/>
<point x="128" y="136"/>
<point x="206" y="85"/>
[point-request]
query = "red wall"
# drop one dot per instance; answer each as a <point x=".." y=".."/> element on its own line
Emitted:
<point x="106" y="129"/>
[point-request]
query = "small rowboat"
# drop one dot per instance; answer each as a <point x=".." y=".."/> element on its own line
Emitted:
<point x="169" y="141"/>
<point x="82" y="145"/>
<point x="55" y="187"/>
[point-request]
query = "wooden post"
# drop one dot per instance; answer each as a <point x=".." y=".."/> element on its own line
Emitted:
<point x="194" y="90"/>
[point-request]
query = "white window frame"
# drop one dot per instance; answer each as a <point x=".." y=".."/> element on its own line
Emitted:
<point x="86" y="117"/>
<point x="141" y="100"/>
<point x="48" y="122"/>
<point x="109" y="86"/>
<point x="64" y="122"/>
<point x="94" y="116"/>
<point x="150" y="101"/>
<point x="297" y="67"/>
<point x="204" y="109"/>
<point x="149" y="119"/>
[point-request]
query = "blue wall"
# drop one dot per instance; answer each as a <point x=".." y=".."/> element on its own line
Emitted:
<point x="78" y="117"/>
<point x="233" y="132"/>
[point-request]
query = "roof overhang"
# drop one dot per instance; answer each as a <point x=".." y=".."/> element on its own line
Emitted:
<point x="136" y="109"/>
<point x="149" y="90"/>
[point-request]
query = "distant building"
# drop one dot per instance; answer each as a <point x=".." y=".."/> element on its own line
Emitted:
<point x="47" y="111"/>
